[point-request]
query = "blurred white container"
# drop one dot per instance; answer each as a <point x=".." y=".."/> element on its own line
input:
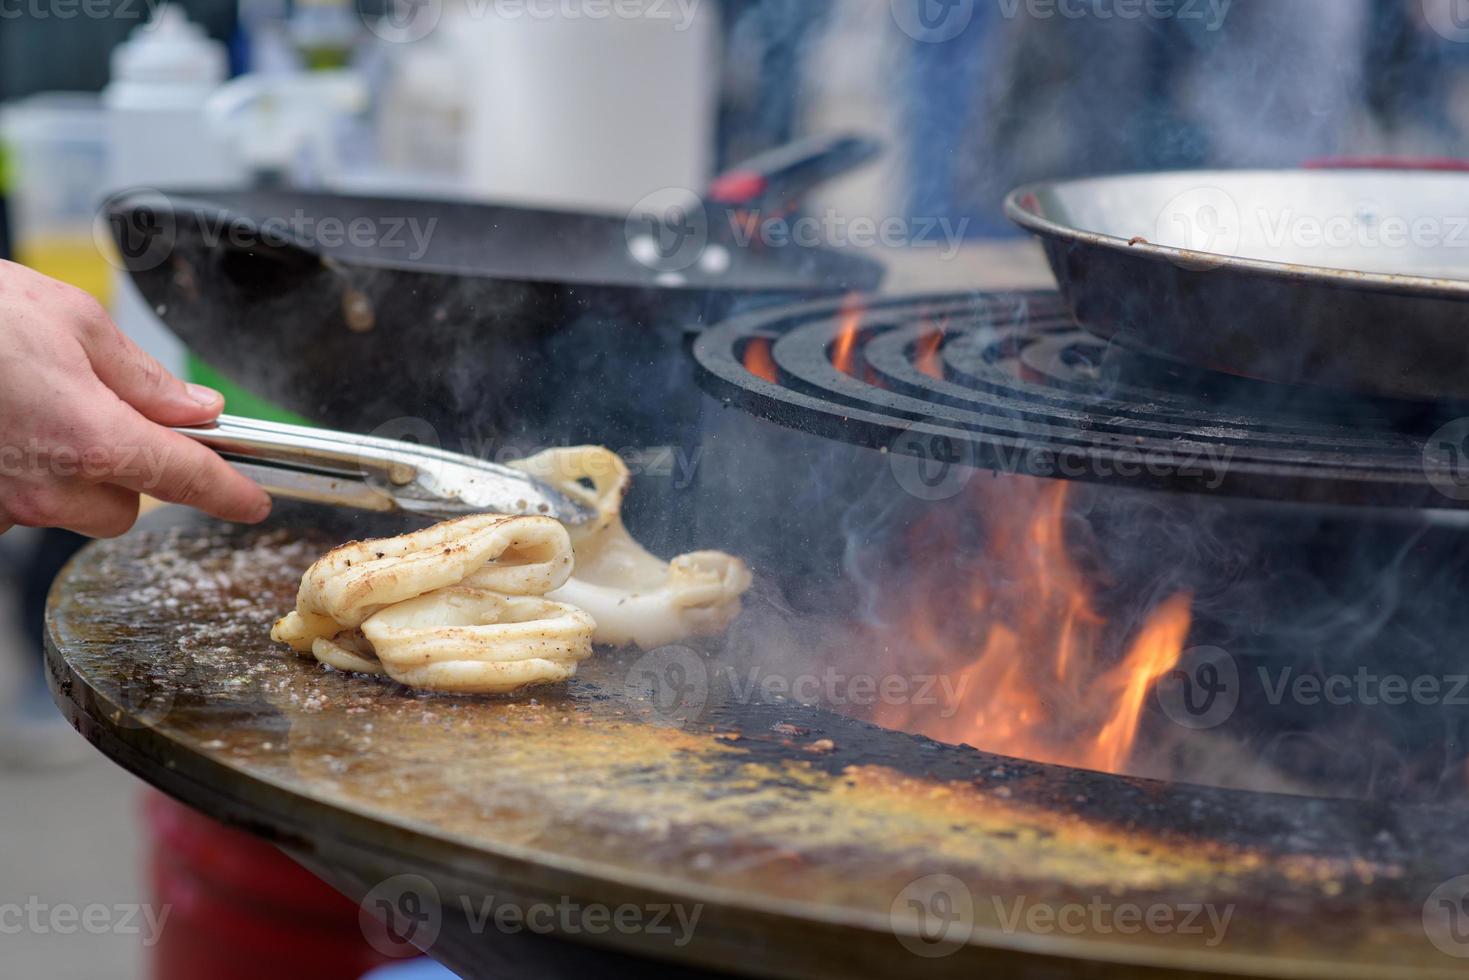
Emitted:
<point x="586" y="106"/>
<point x="162" y="76"/>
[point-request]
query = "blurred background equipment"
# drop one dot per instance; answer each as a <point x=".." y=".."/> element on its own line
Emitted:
<point x="162" y="77"/>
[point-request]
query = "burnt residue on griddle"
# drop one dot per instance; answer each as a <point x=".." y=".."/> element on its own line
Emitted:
<point x="162" y="640"/>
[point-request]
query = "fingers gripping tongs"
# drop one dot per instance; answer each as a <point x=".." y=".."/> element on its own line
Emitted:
<point x="323" y="466"/>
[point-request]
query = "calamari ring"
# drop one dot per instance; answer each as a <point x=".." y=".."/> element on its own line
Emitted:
<point x="348" y="651"/>
<point x="467" y="677"/>
<point x="699" y="598"/>
<point x="474" y="641"/>
<point x="634" y="596"/>
<point x="512" y="555"/>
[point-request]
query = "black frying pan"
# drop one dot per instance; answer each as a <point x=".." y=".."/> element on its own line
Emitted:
<point x="503" y="325"/>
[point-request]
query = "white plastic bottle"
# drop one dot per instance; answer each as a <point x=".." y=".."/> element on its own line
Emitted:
<point x="157" y="138"/>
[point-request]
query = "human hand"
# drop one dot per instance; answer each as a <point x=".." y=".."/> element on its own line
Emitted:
<point x="84" y="415"/>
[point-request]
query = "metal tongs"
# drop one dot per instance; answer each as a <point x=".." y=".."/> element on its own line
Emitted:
<point x="323" y="466"/>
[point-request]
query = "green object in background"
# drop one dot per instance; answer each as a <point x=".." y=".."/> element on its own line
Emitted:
<point x="238" y="401"/>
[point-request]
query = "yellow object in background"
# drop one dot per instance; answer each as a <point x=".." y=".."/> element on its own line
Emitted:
<point x="73" y="258"/>
<point x="54" y="170"/>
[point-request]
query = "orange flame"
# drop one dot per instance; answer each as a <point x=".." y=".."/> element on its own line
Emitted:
<point x="926" y="356"/>
<point x="844" y="350"/>
<point x="1033" y="670"/>
<point x="759" y="361"/>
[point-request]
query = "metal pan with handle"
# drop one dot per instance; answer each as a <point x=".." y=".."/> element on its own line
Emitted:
<point x="500" y="323"/>
<point x="1350" y="279"/>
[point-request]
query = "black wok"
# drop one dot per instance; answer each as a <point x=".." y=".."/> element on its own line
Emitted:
<point x="502" y="325"/>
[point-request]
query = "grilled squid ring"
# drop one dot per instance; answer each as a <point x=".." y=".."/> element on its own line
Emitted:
<point x="635" y="597"/>
<point x="487" y="604"/>
<point x="454" y="607"/>
<point x="348" y="651"/>
<point x="477" y="642"/>
<point x="510" y="555"/>
<point x="465" y="641"/>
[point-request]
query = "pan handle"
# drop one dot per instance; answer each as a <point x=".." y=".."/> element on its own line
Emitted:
<point x="779" y="178"/>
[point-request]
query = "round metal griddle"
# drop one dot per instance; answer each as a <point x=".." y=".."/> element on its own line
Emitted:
<point x="1006" y="382"/>
<point x="805" y="857"/>
<point x="1352" y="279"/>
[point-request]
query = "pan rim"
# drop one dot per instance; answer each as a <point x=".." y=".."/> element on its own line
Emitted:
<point x="1202" y="261"/>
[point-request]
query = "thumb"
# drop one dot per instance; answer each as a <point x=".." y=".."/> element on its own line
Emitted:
<point x="143" y="383"/>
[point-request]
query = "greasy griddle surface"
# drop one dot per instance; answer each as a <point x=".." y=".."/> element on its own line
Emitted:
<point x="159" y="650"/>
